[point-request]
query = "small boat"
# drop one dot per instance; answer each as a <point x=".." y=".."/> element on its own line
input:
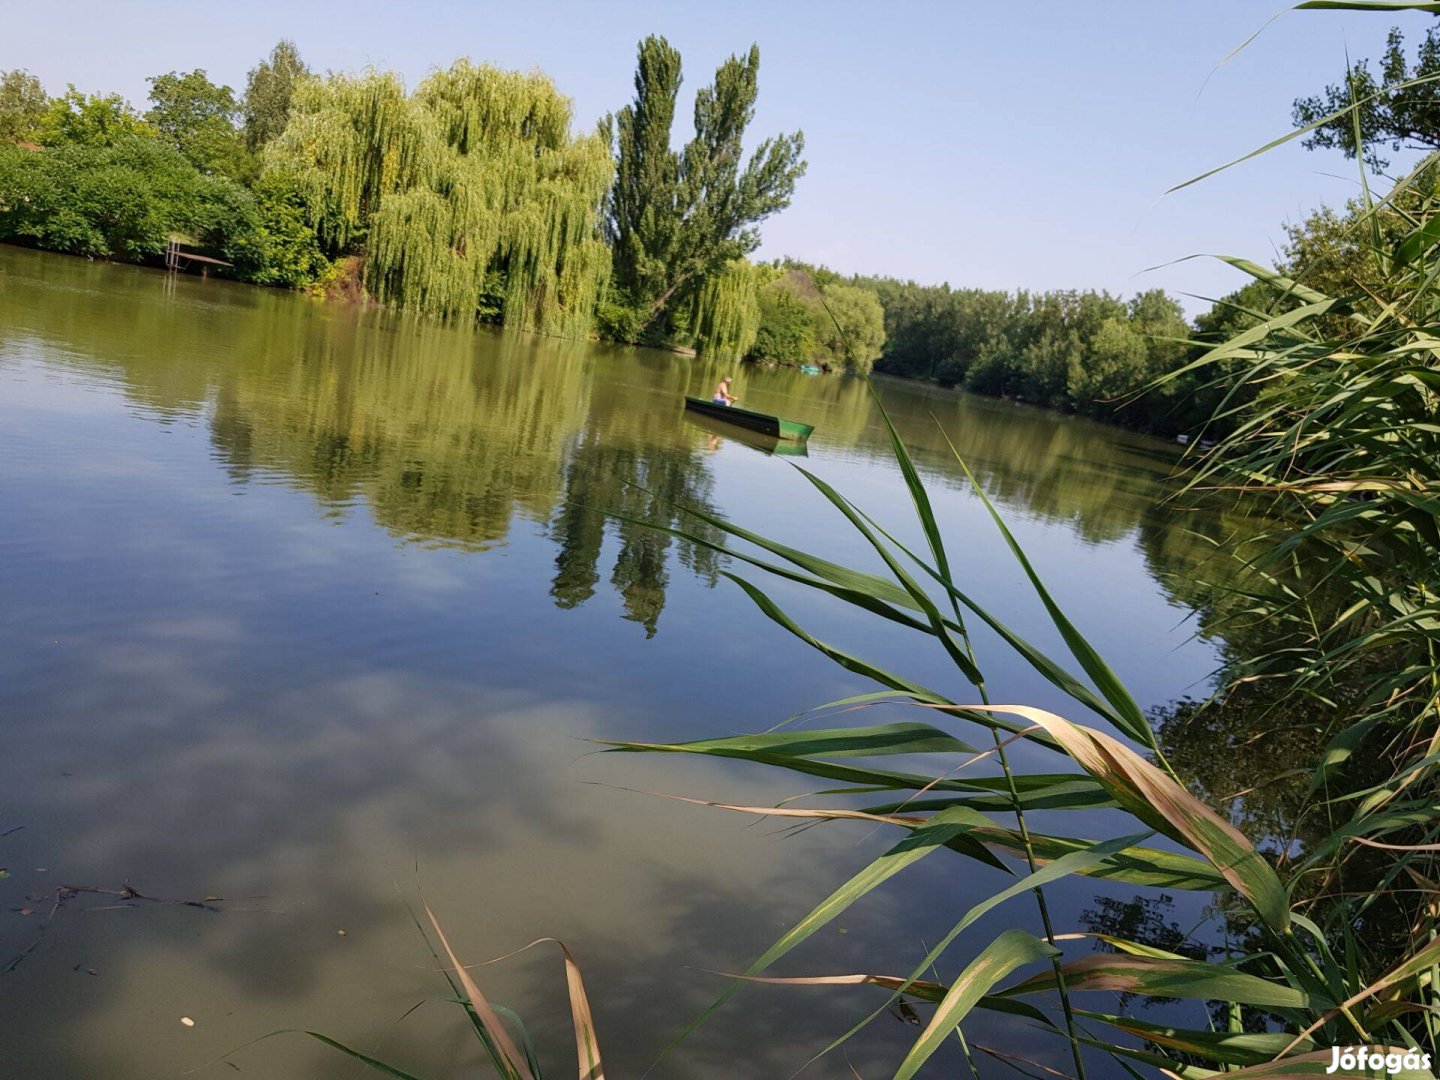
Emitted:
<point x="773" y="426"/>
<point x="809" y="369"/>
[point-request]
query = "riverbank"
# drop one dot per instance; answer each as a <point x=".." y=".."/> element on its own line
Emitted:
<point x="344" y="283"/>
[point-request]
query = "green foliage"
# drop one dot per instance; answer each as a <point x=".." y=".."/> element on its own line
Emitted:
<point x="811" y="315"/>
<point x="1394" y="109"/>
<point x="674" y="219"/>
<point x="1083" y="351"/>
<point x="726" y="312"/>
<point x="197" y="118"/>
<point x="786" y="333"/>
<point x="852" y="331"/>
<point x="1235" y="313"/>
<point x="470" y="185"/>
<point x="22" y="106"/>
<point x="291" y="254"/>
<point x="268" y="90"/>
<point x="122" y="200"/>
<point x="643" y="214"/>
<point x="1339" y="440"/>
<point x="1341" y="253"/>
<point x="94" y="120"/>
<point x="1112" y="365"/>
<point x="619" y="318"/>
<point x="1281" y="964"/>
<point x="1347" y="252"/>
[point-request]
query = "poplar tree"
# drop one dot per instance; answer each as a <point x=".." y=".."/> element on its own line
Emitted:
<point x="268" y="90"/>
<point x="22" y="106"/>
<point x="675" y="219"/>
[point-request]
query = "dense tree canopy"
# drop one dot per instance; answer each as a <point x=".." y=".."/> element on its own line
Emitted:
<point x="1086" y="351"/>
<point x="123" y="200"/>
<point x="1401" y="108"/>
<point x="198" y="118"/>
<point x="810" y="315"/>
<point x="786" y="332"/>
<point x="675" y="218"/>
<point x="849" y="327"/>
<point x="470" y="196"/>
<point x="78" y="119"/>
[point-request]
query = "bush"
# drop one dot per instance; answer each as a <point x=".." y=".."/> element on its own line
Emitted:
<point x="289" y="250"/>
<point x="618" y="318"/>
<point x="126" y="200"/>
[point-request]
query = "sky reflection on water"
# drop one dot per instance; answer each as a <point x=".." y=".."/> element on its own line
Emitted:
<point x="298" y="598"/>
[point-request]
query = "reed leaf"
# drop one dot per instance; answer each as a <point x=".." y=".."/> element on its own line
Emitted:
<point x="938" y="831"/>
<point x="1129" y="717"/>
<point x="1012" y="949"/>
<point x="1223" y="1047"/>
<point x="508" y="1059"/>
<point x="1170" y="977"/>
<point x="1133" y="865"/>
<point x="374" y="1063"/>
<point x="1156" y="799"/>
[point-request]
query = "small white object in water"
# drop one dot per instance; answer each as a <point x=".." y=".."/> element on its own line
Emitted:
<point x="187" y="1021"/>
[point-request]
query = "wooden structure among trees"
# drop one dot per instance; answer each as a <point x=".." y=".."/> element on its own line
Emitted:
<point x="178" y="260"/>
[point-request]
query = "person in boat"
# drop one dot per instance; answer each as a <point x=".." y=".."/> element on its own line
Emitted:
<point x="722" y="392"/>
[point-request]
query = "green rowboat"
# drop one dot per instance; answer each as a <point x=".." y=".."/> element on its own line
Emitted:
<point x="773" y="426"/>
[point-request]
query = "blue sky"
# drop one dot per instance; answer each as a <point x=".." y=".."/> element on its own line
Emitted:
<point x="1000" y="145"/>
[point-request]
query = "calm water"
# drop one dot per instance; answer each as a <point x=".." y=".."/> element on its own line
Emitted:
<point x="295" y="599"/>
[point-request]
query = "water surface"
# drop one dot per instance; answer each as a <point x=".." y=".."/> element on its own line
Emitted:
<point x="309" y="607"/>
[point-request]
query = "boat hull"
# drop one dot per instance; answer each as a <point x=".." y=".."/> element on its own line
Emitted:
<point x="766" y="444"/>
<point x="765" y="424"/>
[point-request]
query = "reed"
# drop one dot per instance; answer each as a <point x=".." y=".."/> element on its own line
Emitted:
<point x="1288" y="969"/>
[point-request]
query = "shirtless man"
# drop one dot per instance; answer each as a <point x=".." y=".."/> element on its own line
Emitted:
<point x="722" y="393"/>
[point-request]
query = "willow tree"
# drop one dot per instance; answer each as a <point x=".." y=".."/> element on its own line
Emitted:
<point x="676" y="218"/>
<point x="725" y="311"/>
<point x="470" y="198"/>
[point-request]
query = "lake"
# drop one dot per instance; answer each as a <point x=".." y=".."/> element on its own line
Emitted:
<point x="311" y="608"/>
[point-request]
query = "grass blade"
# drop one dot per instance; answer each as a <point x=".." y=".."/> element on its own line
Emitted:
<point x="374" y="1063"/>
<point x="509" y="1059"/>
<point x="1158" y="976"/>
<point x="1156" y="799"/>
<point x="1012" y="949"/>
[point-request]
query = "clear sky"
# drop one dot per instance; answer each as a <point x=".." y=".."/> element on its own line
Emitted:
<point x="996" y="144"/>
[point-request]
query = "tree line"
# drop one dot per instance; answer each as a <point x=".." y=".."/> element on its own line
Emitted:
<point x="472" y="197"/>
